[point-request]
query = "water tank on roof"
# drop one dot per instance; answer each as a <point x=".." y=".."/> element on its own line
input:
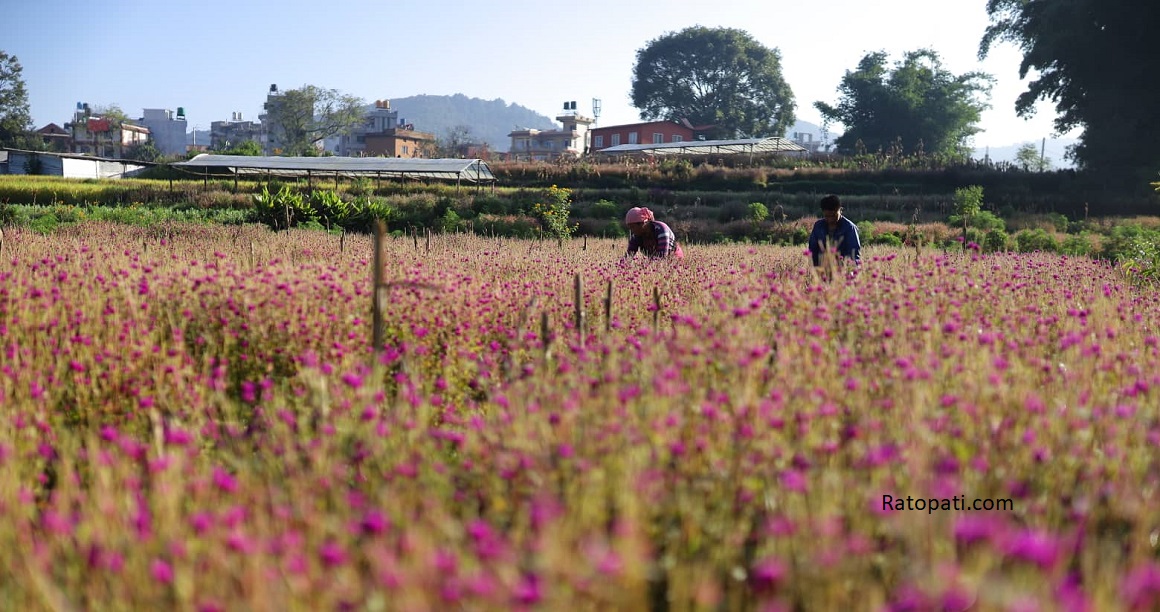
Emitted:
<point x="181" y="112"/>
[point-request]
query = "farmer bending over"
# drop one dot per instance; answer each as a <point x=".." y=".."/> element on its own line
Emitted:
<point x="650" y="236"/>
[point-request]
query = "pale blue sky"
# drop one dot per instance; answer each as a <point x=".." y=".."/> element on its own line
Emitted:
<point x="214" y="57"/>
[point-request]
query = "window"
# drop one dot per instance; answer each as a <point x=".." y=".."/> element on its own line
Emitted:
<point x="598" y="142"/>
<point x="658" y="138"/>
<point x="632" y="138"/>
<point x="615" y="139"/>
<point x="406" y="150"/>
<point x="678" y="138"/>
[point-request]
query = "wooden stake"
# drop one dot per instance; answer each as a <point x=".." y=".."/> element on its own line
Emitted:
<point x="608" y="307"/>
<point x="580" y="309"/>
<point x="545" y="335"/>
<point x="342" y="242"/>
<point x="253" y="253"/>
<point x="657" y="312"/>
<point x="376" y="293"/>
<point x="428" y="240"/>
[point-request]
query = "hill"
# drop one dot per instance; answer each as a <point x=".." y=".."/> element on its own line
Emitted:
<point x="490" y="120"/>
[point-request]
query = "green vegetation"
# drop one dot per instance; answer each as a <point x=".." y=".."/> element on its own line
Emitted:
<point x="918" y="106"/>
<point x="720" y="77"/>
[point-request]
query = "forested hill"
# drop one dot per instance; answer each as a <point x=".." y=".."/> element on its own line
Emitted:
<point x="490" y="121"/>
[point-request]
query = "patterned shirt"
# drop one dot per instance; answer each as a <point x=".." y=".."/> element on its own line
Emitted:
<point x="666" y="242"/>
<point x="844" y="238"/>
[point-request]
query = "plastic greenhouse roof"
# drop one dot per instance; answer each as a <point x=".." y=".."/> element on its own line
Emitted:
<point x="469" y="170"/>
<point x="709" y="147"/>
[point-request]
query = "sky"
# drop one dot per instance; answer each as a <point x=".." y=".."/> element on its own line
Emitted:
<point x="214" y="58"/>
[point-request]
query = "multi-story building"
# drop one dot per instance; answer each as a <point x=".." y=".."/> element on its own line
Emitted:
<point x="378" y="120"/>
<point x="273" y="135"/>
<point x="544" y="145"/>
<point x="167" y="129"/>
<point x="650" y="132"/>
<point x="401" y="141"/>
<point x="103" y="136"/>
<point x="224" y="135"/>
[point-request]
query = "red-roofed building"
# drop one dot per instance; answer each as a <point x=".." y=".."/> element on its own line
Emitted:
<point x="649" y="132"/>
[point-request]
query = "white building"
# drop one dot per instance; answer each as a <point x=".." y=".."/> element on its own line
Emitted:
<point x="167" y="129"/>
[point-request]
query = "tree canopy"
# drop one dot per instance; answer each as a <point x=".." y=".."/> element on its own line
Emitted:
<point x="713" y="76"/>
<point x="15" y="116"/>
<point x="301" y="118"/>
<point x="917" y="103"/>
<point x="1096" y="60"/>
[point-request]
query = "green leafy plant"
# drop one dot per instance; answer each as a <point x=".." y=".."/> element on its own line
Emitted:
<point x="283" y="209"/>
<point x="553" y="212"/>
<point x="757" y="212"/>
<point x="968" y="203"/>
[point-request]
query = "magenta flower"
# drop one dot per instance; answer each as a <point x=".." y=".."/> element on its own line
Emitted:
<point x="224" y="481"/>
<point x="332" y="554"/>
<point x="768" y="573"/>
<point x="1036" y="547"/>
<point x="161" y="571"/>
<point x="528" y="591"/>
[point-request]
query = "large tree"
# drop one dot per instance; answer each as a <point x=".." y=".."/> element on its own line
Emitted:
<point x="713" y="76"/>
<point x="15" y="116"/>
<point x="917" y="103"/>
<point x="1096" y="60"/>
<point x="301" y="118"/>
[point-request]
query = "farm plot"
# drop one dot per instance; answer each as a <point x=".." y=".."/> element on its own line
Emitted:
<point x="195" y="418"/>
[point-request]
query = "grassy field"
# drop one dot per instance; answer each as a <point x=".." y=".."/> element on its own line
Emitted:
<point x="193" y="417"/>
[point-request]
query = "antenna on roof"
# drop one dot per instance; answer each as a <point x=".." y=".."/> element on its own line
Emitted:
<point x="595" y="110"/>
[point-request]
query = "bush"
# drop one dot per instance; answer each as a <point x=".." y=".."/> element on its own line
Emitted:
<point x="553" y="212"/>
<point x="605" y="209"/>
<point x="490" y="205"/>
<point x="886" y="239"/>
<point x="1077" y="244"/>
<point x="757" y="212"/>
<point x="995" y="241"/>
<point x="984" y="220"/>
<point x="1031" y="240"/>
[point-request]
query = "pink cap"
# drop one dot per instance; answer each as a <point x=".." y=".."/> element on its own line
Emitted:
<point x="638" y="215"/>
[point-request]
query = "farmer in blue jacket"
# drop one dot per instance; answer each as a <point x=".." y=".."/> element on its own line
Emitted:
<point x="834" y="232"/>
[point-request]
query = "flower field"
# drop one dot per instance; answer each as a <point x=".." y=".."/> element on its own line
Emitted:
<point x="196" y="418"/>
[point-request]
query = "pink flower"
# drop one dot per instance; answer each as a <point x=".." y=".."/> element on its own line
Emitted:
<point x="161" y="571"/>
<point x="332" y="554"/>
<point x="224" y="481"/>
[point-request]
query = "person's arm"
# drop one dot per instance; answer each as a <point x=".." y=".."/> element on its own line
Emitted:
<point x="853" y="243"/>
<point x="815" y="243"/>
<point x="633" y="246"/>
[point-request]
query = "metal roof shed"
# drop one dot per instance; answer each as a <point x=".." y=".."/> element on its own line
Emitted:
<point x="459" y="170"/>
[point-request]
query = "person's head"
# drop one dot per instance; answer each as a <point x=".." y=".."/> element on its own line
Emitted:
<point x="639" y="220"/>
<point x="831" y="209"/>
